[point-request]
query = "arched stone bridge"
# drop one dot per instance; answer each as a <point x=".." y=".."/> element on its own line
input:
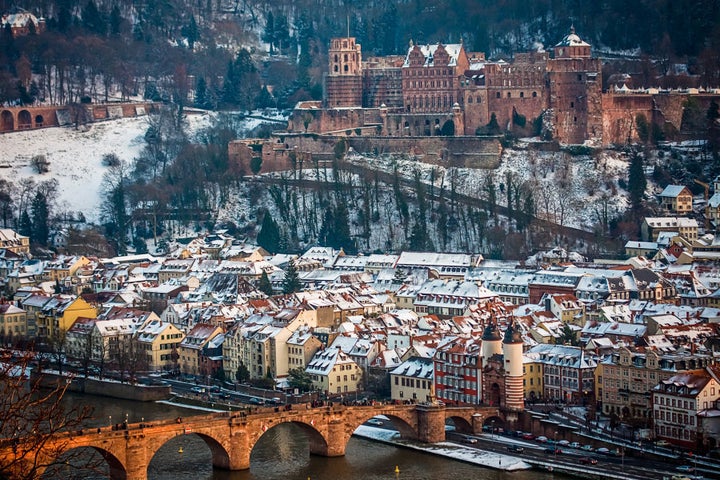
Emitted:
<point x="231" y="436"/>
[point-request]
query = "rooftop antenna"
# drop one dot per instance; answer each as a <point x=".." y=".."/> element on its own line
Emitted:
<point x="348" y="25"/>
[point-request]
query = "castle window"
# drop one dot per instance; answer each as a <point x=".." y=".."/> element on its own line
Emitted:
<point x="572" y="104"/>
<point x="346" y="57"/>
<point x="470" y="100"/>
<point x="579" y="77"/>
<point x="534" y="94"/>
<point x="509" y="95"/>
<point x="335" y="68"/>
<point x="575" y="119"/>
<point x="345" y="68"/>
<point x="336" y="57"/>
<point x="497" y="95"/>
<point x="522" y="94"/>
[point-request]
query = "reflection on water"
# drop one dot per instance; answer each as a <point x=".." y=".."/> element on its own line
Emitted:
<point x="282" y="453"/>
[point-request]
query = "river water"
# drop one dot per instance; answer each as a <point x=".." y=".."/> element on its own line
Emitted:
<point x="282" y="453"/>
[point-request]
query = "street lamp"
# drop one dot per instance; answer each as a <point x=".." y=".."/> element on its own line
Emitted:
<point x="555" y="447"/>
<point x="492" y="429"/>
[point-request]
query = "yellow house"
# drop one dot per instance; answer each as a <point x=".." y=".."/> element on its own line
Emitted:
<point x="60" y="312"/>
<point x="63" y="266"/>
<point x="13" y="322"/>
<point x="677" y="199"/>
<point x="532" y="378"/>
<point x="334" y="373"/>
<point x="13" y="241"/>
<point x="160" y="342"/>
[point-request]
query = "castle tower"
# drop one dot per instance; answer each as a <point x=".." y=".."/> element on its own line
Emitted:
<point x="512" y="349"/>
<point x="343" y="84"/>
<point x="575" y="80"/>
<point x="491" y="343"/>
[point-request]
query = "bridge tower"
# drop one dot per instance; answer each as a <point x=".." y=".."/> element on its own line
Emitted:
<point x="512" y="348"/>
<point x="491" y="343"/>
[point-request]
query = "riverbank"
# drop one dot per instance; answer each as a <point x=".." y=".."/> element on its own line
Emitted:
<point x="474" y="456"/>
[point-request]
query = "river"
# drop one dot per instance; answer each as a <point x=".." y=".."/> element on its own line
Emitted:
<point x="282" y="453"/>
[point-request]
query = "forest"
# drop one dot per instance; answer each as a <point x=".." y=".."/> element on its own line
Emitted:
<point x="225" y="53"/>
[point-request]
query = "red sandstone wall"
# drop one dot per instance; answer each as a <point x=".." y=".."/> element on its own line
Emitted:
<point x="14" y="118"/>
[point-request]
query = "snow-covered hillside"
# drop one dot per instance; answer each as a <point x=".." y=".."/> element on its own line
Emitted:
<point x="567" y="189"/>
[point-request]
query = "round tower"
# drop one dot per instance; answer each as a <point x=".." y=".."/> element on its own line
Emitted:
<point x="512" y="349"/>
<point x="491" y="343"/>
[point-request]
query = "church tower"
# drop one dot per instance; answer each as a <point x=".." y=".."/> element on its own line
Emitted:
<point x="512" y="349"/>
<point x="343" y="83"/>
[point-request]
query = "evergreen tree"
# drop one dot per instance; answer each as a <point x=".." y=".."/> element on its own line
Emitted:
<point x="25" y="224"/>
<point x="264" y="285"/>
<point x="269" y="33"/>
<point x="400" y="276"/>
<point x="636" y="181"/>
<point x="40" y="218"/>
<point x="341" y="230"/>
<point x="202" y="95"/>
<point x="291" y="282"/>
<point x="243" y="374"/>
<point x="418" y="238"/>
<point x="324" y="237"/>
<point x="191" y="32"/>
<point x="93" y="20"/>
<point x="116" y="20"/>
<point x="269" y="235"/>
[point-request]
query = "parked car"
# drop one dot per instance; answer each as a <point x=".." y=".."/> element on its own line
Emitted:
<point x="662" y="443"/>
<point x="255" y="401"/>
<point x="375" y="421"/>
<point x="516" y="448"/>
<point x="564" y="443"/>
<point x="685" y="468"/>
<point x="541" y="439"/>
<point x="469" y="439"/>
<point x="198" y="389"/>
<point x="587" y="448"/>
<point x="553" y="451"/>
<point x="528" y="436"/>
<point x="588" y="460"/>
<point x="574" y="445"/>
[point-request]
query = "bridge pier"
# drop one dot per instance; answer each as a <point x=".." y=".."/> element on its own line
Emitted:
<point x="136" y="461"/>
<point x="335" y="442"/>
<point x="431" y="423"/>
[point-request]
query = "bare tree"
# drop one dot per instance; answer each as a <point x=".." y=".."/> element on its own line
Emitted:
<point x="32" y="423"/>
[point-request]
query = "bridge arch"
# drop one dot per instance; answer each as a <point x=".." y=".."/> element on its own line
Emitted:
<point x="219" y="453"/>
<point x="316" y="440"/>
<point x="462" y="424"/>
<point x="93" y="457"/>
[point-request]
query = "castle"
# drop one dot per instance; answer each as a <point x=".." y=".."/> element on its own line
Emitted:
<point x="444" y="90"/>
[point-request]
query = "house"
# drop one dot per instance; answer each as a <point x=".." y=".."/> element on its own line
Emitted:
<point x="334" y="372"/>
<point x="458" y="375"/>
<point x="10" y="239"/>
<point x="413" y="380"/>
<point x="22" y="23"/>
<point x="159" y="341"/>
<point x="568" y="373"/>
<point x="634" y="248"/>
<point x="676" y="199"/>
<point x="13" y="323"/>
<point x="59" y="312"/>
<point x="651" y="227"/>
<point x="302" y="346"/>
<point x="678" y="401"/>
<point x="191" y="351"/>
